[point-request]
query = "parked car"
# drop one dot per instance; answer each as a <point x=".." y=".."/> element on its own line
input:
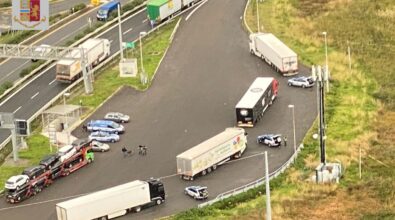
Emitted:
<point x="301" y="81"/>
<point x="16" y="182"/>
<point x="66" y="152"/>
<point x="271" y="140"/>
<point x="196" y="192"/>
<point x="49" y="161"/>
<point x="103" y="136"/>
<point x="105" y="125"/>
<point x="81" y="143"/>
<point x="117" y="117"/>
<point x="34" y="172"/>
<point x="41" y="51"/>
<point x="101" y="147"/>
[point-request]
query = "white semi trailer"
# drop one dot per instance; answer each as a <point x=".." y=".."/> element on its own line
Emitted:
<point x="206" y="156"/>
<point x="113" y="202"/>
<point x="70" y="70"/>
<point x="275" y="53"/>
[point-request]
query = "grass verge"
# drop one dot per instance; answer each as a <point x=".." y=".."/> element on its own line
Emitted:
<point x="107" y="81"/>
<point x="355" y="118"/>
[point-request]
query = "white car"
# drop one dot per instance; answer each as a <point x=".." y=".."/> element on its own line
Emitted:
<point x="16" y="182"/>
<point x="42" y="50"/>
<point x="301" y="81"/>
<point x="66" y="152"/>
<point x="196" y="192"/>
<point x="100" y="147"/>
<point x="117" y="117"/>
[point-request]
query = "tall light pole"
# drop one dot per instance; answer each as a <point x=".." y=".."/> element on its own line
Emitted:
<point x="142" y="34"/>
<point x="257" y="13"/>
<point x="120" y="31"/>
<point x="292" y="107"/>
<point x="326" y="58"/>
<point x="267" y="182"/>
<point x="67" y="94"/>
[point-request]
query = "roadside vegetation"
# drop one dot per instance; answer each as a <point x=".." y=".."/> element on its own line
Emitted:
<point x="359" y="113"/>
<point x="107" y="82"/>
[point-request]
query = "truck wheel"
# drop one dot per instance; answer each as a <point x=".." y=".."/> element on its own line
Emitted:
<point x="137" y="209"/>
<point x="191" y="178"/>
<point x="209" y="170"/>
<point x="158" y="202"/>
<point x="215" y="167"/>
<point x="204" y="172"/>
<point x="289" y="84"/>
<point x="103" y="218"/>
<point x="89" y="160"/>
<point x="70" y="165"/>
<point x="252" y="51"/>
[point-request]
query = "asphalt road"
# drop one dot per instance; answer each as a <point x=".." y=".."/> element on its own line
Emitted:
<point x="205" y="73"/>
<point x="10" y="69"/>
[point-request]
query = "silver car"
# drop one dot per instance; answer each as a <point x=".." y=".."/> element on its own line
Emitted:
<point x="117" y="117"/>
<point x="301" y="81"/>
<point x="100" y="147"/>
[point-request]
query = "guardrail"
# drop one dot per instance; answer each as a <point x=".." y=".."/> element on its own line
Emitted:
<point x="255" y="183"/>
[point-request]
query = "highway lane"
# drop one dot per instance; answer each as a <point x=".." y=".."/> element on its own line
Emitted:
<point x="10" y="70"/>
<point x="47" y="88"/>
<point x="205" y="73"/>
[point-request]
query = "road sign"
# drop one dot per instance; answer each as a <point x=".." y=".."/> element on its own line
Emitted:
<point x="129" y="45"/>
<point x="95" y="2"/>
<point x="21" y="127"/>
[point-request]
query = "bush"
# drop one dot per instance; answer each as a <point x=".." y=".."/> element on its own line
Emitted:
<point x="5" y="4"/>
<point x="130" y="6"/>
<point x="79" y="7"/>
<point x="7" y="84"/>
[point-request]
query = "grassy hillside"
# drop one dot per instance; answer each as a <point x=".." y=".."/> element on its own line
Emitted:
<point x="359" y="109"/>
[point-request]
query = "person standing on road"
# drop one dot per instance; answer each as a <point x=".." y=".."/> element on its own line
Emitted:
<point x="285" y="141"/>
<point x="124" y="151"/>
<point x="140" y="149"/>
<point x="144" y="150"/>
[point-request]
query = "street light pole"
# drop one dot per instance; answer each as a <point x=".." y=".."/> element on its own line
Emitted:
<point x="141" y="56"/>
<point x="120" y="31"/>
<point x="67" y="115"/>
<point x="292" y="107"/>
<point x="267" y="181"/>
<point x="326" y="59"/>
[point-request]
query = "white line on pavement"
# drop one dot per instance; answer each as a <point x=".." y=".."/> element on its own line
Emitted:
<point x="52" y="82"/>
<point x="190" y="14"/>
<point x="20" y="66"/>
<point x="34" y="95"/>
<point x="127" y="31"/>
<point x="17" y="109"/>
<point x="145" y="20"/>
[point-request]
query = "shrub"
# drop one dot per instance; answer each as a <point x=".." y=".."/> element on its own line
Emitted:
<point x="5" y="4"/>
<point x="7" y="85"/>
<point x="79" y="7"/>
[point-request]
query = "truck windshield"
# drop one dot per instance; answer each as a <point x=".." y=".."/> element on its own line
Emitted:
<point x="102" y="12"/>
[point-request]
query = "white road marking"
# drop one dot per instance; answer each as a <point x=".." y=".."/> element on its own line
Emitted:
<point x="20" y="66"/>
<point x="127" y="31"/>
<point x="52" y="82"/>
<point x="83" y="26"/>
<point x="17" y="109"/>
<point x="193" y="11"/>
<point x="145" y="20"/>
<point x="34" y="95"/>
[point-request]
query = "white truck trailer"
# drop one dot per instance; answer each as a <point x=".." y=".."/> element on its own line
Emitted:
<point x="206" y="156"/>
<point x="159" y="10"/>
<point x="275" y="53"/>
<point x="113" y="202"/>
<point x="70" y="70"/>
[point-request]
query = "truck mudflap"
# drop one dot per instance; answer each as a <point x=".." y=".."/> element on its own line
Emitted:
<point x="248" y="125"/>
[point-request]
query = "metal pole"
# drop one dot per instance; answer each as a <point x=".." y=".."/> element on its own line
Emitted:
<point x="86" y="75"/>
<point x="141" y="55"/>
<point x="257" y="13"/>
<point x="14" y="144"/>
<point x="268" y="206"/>
<point x="293" y="121"/>
<point x="326" y="51"/>
<point x="120" y="31"/>
<point x="322" y="126"/>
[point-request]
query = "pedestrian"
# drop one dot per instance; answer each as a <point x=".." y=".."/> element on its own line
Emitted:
<point x="140" y="149"/>
<point x="144" y="150"/>
<point x="85" y="128"/>
<point x="124" y="151"/>
<point x="285" y="141"/>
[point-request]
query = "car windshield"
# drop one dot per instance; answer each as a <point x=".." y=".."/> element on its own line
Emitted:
<point x="99" y="144"/>
<point x="115" y="125"/>
<point x="102" y="12"/>
<point x="9" y="182"/>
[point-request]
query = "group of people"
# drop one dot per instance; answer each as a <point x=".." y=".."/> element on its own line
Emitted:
<point x="142" y="151"/>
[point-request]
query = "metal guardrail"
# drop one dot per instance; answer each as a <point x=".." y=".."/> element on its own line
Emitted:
<point x="255" y="183"/>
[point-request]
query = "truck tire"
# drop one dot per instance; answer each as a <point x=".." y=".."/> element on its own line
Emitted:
<point x="214" y="166"/>
<point x="137" y="209"/>
<point x="89" y="160"/>
<point x="209" y="170"/>
<point x="191" y="178"/>
<point x="204" y="172"/>
<point x="158" y="202"/>
<point x="252" y="52"/>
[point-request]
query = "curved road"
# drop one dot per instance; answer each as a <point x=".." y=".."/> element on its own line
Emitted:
<point x="205" y="73"/>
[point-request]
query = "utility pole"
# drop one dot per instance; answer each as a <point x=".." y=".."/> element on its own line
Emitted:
<point x="267" y="180"/>
<point x="120" y="31"/>
<point x="257" y="14"/>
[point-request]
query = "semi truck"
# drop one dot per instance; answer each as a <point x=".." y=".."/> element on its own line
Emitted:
<point x="69" y="70"/>
<point x="104" y="12"/>
<point x="206" y="156"/>
<point x="270" y="49"/>
<point x="255" y="101"/>
<point x="159" y="10"/>
<point x="113" y="202"/>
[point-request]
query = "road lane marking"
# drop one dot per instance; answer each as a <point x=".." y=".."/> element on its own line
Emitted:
<point x="193" y="11"/>
<point x="52" y="82"/>
<point x="17" y="109"/>
<point x="34" y="95"/>
<point x="145" y="20"/>
<point x="129" y="30"/>
<point x="83" y="26"/>
<point x="8" y="74"/>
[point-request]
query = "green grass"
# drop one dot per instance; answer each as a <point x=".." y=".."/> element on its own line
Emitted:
<point x="106" y="83"/>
